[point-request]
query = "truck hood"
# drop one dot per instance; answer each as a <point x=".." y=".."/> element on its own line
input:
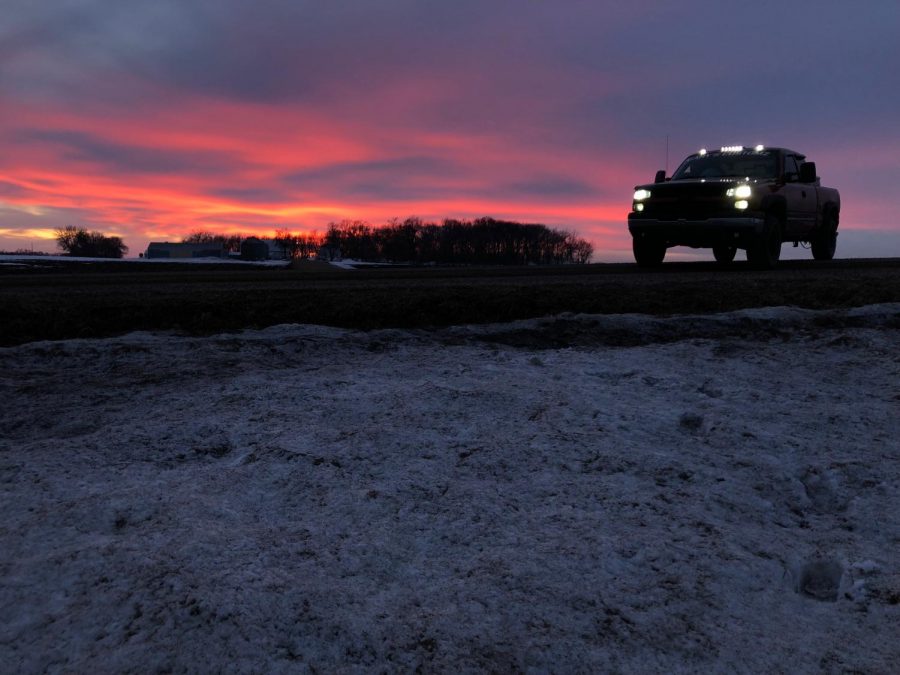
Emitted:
<point x="706" y="187"/>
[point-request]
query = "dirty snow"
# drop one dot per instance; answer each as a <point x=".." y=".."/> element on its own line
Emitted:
<point x="720" y="493"/>
<point x="22" y="259"/>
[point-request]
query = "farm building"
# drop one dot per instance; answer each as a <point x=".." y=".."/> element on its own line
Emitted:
<point x="255" y="248"/>
<point x="166" y="249"/>
<point x="276" y="250"/>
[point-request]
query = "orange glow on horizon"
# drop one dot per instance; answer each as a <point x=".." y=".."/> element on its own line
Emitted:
<point x="43" y="234"/>
<point x="68" y="172"/>
<point x="193" y="163"/>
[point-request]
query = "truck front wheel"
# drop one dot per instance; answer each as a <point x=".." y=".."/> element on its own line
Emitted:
<point x="724" y="254"/>
<point x="824" y="243"/>
<point x="764" y="253"/>
<point x="648" y="253"/>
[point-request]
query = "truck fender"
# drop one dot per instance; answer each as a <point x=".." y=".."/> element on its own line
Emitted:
<point x="830" y="208"/>
<point x="775" y="204"/>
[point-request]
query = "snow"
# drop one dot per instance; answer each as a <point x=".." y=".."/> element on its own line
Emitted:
<point x="352" y="264"/>
<point x="344" y="263"/>
<point x="186" y="261"/>
<point x="684" y="494"/>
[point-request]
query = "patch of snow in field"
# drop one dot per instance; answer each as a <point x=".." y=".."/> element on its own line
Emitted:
<point x="721" y="496"/>
<point x="201" y="261"/>
<point x="344" y="264"/>
<point x="352" y="264"/>
<point x="187" y="261"/>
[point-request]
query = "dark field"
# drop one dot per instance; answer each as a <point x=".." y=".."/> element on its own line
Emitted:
<point x="70" y="299"/>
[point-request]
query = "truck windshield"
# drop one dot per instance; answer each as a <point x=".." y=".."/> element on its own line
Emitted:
<point x="728" y="165"/>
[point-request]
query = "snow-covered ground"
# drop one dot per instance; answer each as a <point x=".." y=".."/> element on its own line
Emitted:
<point x="721" y="495"/>
<point x="20" y="260"/>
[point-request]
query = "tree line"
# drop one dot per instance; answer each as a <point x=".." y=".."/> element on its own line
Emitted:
<point x="484" y="241"/>
<point x="465" y="242"/>
<point x="481" y="241"/>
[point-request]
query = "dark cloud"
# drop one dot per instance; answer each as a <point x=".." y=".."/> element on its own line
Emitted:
<point x="678" y="65"/>
<point x="293" y="51"/>
<point x="29" y="29"/>
<point x="398" y="178"/>
<point x="273" y="51"/>
<point x="253" y="195"/>
<point x="404" y="166"/>
<point x="551" y="186"/>
<point x="8" y="189"/>
<point x="79" y="147"/>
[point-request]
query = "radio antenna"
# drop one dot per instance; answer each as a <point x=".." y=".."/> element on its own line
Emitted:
<point x="667" y="154"/>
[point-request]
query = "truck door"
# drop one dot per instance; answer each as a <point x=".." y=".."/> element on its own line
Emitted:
<point x="800" y="199"/>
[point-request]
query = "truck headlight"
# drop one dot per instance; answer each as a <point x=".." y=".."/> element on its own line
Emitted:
<point x="739" y="192"/>
<point x="640" y="195"/>
<point x="741" y="204"/>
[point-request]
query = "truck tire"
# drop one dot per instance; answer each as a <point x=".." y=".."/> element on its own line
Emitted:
<point x="648" y="253"/>
<point x="763" y="254"/>
<point x="824" y="243"/>
<point x="724" y="254"/>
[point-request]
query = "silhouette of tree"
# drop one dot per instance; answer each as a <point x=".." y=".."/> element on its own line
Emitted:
<point x="230" y="242"/>
<point x="484" y="241"/>
<point x="308" y="245"/>
<point x="289" y="243"/>
<point x="303" y="246"/>
<point x="77" y="241"/>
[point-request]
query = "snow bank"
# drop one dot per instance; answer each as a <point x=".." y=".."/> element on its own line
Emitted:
<point x="718" y="494"/>
<point x="150" y="261"/>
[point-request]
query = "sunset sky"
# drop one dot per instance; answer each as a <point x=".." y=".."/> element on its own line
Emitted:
<point x="152" y="119"/>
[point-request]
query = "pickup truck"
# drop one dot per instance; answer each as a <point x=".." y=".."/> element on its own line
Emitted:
<point x="753" y="198"/>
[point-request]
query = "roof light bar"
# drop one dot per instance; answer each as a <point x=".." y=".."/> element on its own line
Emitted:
<point x="731" y="148"/>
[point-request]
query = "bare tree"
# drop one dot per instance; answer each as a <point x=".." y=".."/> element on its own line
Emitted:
<point x="230" y="242"/>
<point x="77" y="241"/>
<point x="289" y="242"/>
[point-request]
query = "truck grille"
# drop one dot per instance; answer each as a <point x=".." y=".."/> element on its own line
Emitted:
<point x="698" y="201"/>
<point x="690" y="209"/>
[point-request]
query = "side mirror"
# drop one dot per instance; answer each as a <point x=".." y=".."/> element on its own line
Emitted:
<point x="660" y="176"/>
<point x="808" y="172"/>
